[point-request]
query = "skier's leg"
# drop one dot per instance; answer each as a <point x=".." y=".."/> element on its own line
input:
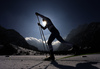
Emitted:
<point x="59" y="38"/>
<point x="51" y="38"/>
<point x="63" y="41"/>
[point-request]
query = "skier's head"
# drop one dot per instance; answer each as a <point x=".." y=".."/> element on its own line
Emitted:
<point x="43" y="19"/>
<point x="44" y="22"/>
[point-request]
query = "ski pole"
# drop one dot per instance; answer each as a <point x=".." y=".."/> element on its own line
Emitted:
<point x="42" y="35"/>
<point x="40" y="32"/>
<point x="45" y="40"/>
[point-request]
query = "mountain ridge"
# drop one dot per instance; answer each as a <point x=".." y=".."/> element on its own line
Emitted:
<point x="87" y="39"/>
<point x="10" y="37"/>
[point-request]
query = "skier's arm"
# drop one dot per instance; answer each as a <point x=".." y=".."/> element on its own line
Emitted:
<point x="44" y="17"/>
<point x="42" y="26"/>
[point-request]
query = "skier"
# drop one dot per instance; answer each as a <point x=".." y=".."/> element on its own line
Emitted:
<point x="54" y="34"/>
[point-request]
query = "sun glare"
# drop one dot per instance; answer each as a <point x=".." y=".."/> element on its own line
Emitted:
<point x="44" y="23"/>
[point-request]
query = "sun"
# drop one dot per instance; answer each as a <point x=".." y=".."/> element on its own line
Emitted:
<point x="44" y="23"/>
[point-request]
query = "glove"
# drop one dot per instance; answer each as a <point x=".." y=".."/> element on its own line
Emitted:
<point x="39" y="24"/>
<point x="37" y="13"/>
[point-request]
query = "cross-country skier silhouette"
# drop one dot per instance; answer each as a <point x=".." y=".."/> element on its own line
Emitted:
<point x="54" y="34"/>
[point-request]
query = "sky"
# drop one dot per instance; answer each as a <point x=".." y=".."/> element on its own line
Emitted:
<point x="65" y="15"/>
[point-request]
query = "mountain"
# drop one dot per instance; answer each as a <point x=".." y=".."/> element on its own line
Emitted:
<point x="11" y="39"/>
<point x="76" y="31"/>
<point x="86" y="37"/>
